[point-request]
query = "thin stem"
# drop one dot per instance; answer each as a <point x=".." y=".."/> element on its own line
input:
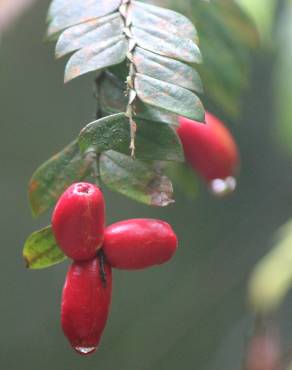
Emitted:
<point x="131" y="93"/>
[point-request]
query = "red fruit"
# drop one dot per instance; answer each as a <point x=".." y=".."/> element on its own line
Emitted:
<point x="139" y="243"/>
<point x="78" y="221"/>
<point x="209" y="148"/>
<point x="85" y="304"/>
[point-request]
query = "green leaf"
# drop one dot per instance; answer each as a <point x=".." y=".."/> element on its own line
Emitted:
<point x="154" y="140"/>
<point x="156" y="40"/>
<point x="148" y="16"/>
<point x="94" y="57"/>
<point x="138" y="180"/>
<point x="89" y="33"/>
<point x="165" y="43"/>
<point x="51" y="179"/>
<point x="164" y="32"/>
<point x="272" y="277"/>
<point x="170" y="97"/>
<point x="227" y="40"/>
<point x="41" y="250"/>
<point x="112" y="99"/>
<point x="63" y="14"/>
<point x="167" y="69"/>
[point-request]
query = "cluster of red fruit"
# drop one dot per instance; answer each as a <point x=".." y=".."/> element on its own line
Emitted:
<point x="79" y="227"/>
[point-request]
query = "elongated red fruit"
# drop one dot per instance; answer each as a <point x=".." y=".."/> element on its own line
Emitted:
<point x="139" y="243"/>
<point x="78" y="221"/>
<point x="209" y="148"/>
<point x="85" y="304"/>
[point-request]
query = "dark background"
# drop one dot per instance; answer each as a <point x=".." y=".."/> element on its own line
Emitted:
<point x="188" y="314"/>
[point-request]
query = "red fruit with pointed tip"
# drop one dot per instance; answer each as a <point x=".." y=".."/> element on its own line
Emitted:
<point x="85" y="305"/>
<point x="78" y="221"/>
<point x="139" y="243"/>
<point x="209" y="148"/>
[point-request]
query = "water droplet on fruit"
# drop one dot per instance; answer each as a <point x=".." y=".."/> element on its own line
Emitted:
<point x="222" y="187"/>
<point x="85" y="350"/>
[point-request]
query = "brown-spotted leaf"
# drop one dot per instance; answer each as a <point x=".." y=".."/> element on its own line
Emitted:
<point x="167" y="69"/>
<point x="41" y="250"/>
<point x="169" y="96"/>
<point x="148" y="16"/>
<point x="63" y="13"/>
<point x="138" y="180"/>
<point x="162" y="42"/>
<point x="105" y="53"/>
<point x="89" y="33"/>
<point x="51" y="179"/>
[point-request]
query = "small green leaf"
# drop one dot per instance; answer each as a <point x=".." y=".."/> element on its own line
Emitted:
<point x="167" y="44"/>
<point x="170" y="97"/>
<point x="89" y="33"/>
<point x="166" y="69"/>
<point x="41" y="250"/>
<point x="63" y="14"/>
<point x="108" y="52"/>
<point x="154" y="140"/>
<point x="154" y="17"/>
<point x="138" y="180"/>
<point x="51" y="179"/>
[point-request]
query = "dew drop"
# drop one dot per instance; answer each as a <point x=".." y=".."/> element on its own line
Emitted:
<point x="84" y="350"/>
<point x="222" y="187"/>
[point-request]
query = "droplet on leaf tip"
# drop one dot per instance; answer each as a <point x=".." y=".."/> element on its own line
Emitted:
<point x="222" y="187"/>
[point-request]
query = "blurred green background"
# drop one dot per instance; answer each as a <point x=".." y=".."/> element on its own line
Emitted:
<point x="192" y="312"/>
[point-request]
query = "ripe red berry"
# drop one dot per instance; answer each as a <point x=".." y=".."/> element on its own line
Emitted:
<point x="85" y="304"/>
<point x="139" y="243"/>
<point x="78" y="221"/>
<point x="209" y="149"/>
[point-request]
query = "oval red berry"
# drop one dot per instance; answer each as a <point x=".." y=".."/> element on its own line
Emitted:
<point x="78" y="221"/>
<point x="85" y="305"/>
<point x="139" y="243"/>
<point x="209" y="148"/>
